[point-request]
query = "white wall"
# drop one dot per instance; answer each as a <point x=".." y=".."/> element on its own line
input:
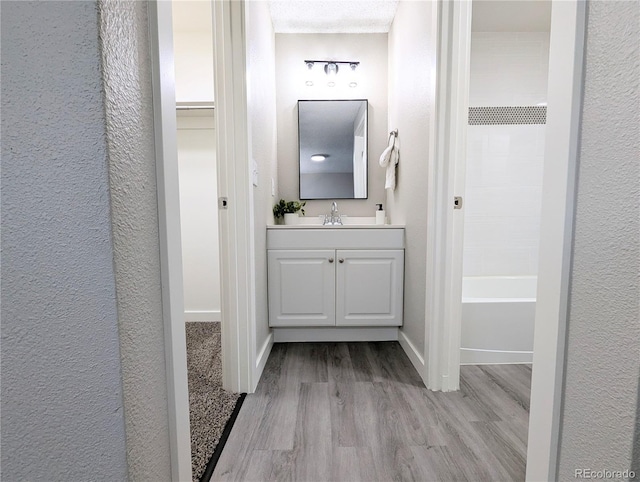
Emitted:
<point x="62" y="401"/>
<point x="193" y="50"/>
<point x="261" y="91"/>
<point x="508" y="68"/>
<point x="199" y="215"/>
<point x="412" y="49"/>
<point x="291" y="51"/>
<point x="603" y="346"/>
<point x="503" y="191"/>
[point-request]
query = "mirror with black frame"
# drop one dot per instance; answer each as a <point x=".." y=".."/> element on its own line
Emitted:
<point x="332" y="140"/>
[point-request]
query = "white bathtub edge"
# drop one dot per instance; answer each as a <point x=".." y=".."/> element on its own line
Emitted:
<point x="471" y="356"/>
<point x="498" y="300"/>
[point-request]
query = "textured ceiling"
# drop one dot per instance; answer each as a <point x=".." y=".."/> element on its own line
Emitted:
<point x="332" y="16"/>
<point x="368" y="16"/>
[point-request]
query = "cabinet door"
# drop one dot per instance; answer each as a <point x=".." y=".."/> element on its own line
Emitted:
<point x="369" y="287"/>
<point x="301" y="287"/>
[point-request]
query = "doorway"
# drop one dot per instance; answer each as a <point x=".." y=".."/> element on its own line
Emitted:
<point x="567" y="33"/>
<point x="509" y="66"/>
<point x="564" y="91"/>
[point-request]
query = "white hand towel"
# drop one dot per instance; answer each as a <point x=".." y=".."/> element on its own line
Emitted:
<point x="389" y="159"/>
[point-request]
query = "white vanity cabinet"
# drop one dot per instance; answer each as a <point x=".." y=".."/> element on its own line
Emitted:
<point x="369" y="287"/>
<point x="302" y="287"/>
<point x="340" y="277"/>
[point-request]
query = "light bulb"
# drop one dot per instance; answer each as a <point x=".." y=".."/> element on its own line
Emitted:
<point x="353" y="77"/>
<point x="331" y="69"/>
<point x="309" y="81"/>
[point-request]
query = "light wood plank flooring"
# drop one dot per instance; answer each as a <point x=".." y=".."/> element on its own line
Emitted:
<point x="360" y="412"/>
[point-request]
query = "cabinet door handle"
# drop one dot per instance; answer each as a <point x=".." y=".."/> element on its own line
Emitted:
<point x="341" y="260"/>
<point x="330" y="260"/>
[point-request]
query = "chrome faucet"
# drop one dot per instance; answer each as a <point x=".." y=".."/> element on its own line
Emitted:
<point x="334" y="219"/>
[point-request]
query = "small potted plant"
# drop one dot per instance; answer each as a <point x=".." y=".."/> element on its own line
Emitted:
<point x="288" y="210"/>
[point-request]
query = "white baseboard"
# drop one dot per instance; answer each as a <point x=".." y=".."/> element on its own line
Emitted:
<point x="261" y="359"/>
<point x="213" y="315"/>
<point x="417" y="360"/>
<point x="470" y="356"/>
<point x="288" y="335"/>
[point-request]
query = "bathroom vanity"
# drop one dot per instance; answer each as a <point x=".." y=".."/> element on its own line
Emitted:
<point x="337" y="277"/>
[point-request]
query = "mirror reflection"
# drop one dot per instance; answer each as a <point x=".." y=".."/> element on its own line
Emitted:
<point x="332" y="137"/>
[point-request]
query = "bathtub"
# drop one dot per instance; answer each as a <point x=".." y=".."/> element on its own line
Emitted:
<point x="498" y="315"/>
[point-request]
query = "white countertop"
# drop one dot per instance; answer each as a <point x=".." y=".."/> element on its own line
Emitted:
<point x="349" y="222"/>
<point x="344" y="226"/>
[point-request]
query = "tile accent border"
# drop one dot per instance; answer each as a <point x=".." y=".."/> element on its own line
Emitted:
<point x="505" y="115"/>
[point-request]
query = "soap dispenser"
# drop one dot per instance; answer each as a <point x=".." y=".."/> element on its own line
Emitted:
<point x="380" y="214"/>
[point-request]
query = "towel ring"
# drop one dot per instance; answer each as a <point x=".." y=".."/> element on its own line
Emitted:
<point x="393" y="133"/>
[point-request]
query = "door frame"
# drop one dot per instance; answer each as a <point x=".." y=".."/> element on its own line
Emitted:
<point x="444" y="242"/>
<point x="236" y="246"/>
<point x="168" y="192"/>
<point x="442" y="337"/>
<point x="566" y="59"/>
<point x="235" y="223"/>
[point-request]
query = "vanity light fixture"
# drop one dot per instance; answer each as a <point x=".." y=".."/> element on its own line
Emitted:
<point x="319" y="157"/>
<point x="331" y="68"/>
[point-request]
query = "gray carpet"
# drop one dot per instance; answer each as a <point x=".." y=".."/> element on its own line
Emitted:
<point x="209" y="405"/>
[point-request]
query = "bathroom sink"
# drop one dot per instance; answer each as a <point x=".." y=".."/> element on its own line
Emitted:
<point x="346" y="221"/>
<point x="358" y="221"/>
<point x="315" y="222"/>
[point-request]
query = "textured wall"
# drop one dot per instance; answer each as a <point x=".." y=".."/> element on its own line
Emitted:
<point x="412" y="49"/>
<point x="62" y="416"/>
<point x="603" y="350"/>
<point x="261" y="105"/>
<point x="371" y="51"/>
<point x="126" y="63"/>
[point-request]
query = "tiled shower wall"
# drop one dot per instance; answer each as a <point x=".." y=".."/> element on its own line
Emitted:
<point x="505" y="152"/>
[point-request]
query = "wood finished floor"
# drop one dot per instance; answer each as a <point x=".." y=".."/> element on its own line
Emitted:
<point x="360" y="412"/>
